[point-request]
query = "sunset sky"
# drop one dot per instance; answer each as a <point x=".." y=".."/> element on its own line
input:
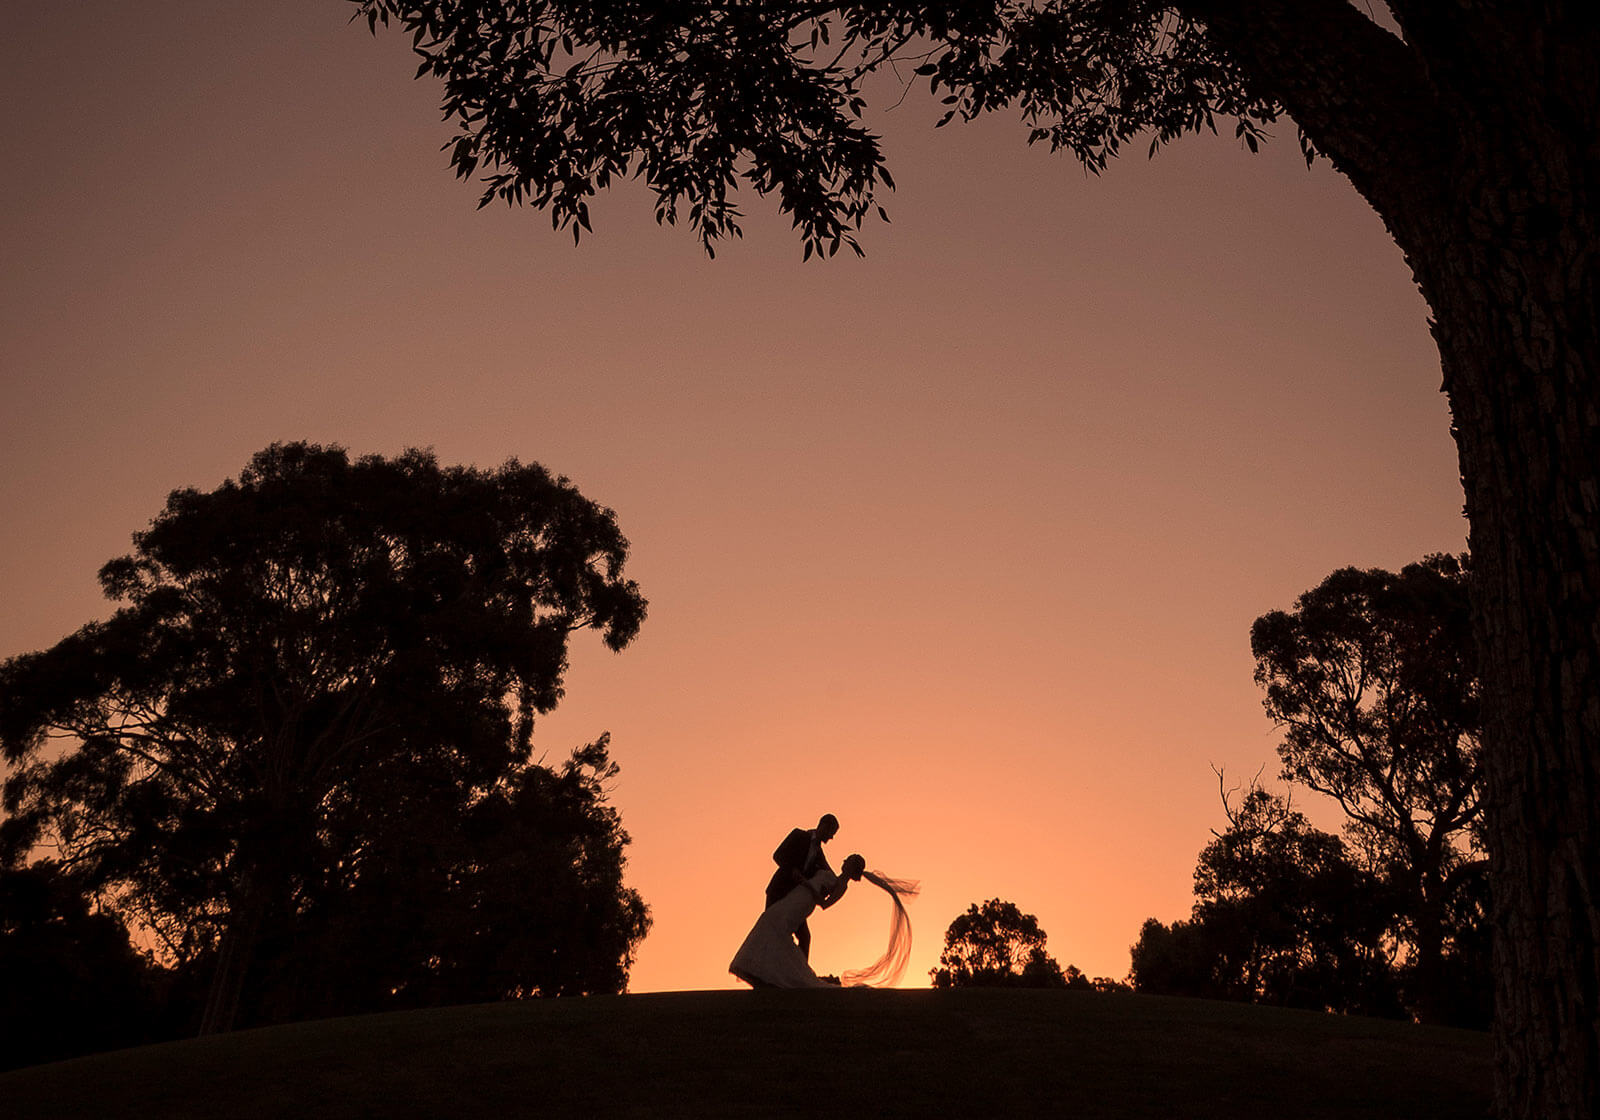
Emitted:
<point x="960" y="542"/>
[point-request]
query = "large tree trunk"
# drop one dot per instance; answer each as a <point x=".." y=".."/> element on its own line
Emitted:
<point x="1532" y="484"/>
<point x="1512" y="282"/>
<point x="1477" y="139"/>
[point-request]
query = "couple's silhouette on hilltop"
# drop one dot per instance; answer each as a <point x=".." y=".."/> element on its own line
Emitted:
<point x="776" y="953"/>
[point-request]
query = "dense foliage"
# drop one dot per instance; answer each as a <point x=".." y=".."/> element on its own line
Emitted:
<point x="519" y="893"/>
<point x="1281" y="916"/>
<point x="70" y="980"/>
<point x="307" y="730"/>
<point x="996" y="945"/>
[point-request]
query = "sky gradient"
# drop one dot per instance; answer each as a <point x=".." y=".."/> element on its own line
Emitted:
<point x="960" y="542"/>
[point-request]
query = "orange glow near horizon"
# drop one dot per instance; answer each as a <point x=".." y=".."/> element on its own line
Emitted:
<point x="960" y="542"/>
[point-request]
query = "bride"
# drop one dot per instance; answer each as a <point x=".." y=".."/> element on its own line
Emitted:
<point x="769" y="957"/>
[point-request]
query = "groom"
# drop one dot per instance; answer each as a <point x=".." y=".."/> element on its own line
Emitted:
<point x="798" y="858"/>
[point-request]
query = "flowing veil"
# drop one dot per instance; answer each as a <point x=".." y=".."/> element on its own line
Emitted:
<point x="887" y="969"/>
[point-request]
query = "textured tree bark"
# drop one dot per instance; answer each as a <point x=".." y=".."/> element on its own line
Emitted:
<point x="1531" y="475"/>
<point x="1477" y="139"/>
<point x="1513" y="288"/>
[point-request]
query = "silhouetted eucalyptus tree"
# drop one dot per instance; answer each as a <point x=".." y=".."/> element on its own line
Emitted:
<point x="1469" y="127"/>
<point x="1298" y="922"/>
<point x="1287" y="914"/>
<point x="1373" y="678"/>
<point x="1281" y="916"/>
<point x="1177" y="960"/>
<point x="309" y="658"/>
<point x="996" y="945"/>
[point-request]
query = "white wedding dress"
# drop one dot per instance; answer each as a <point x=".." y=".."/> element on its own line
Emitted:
<point x="769" y="957"/>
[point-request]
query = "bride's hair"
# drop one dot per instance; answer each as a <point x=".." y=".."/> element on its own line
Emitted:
<point x="887" y="969"/>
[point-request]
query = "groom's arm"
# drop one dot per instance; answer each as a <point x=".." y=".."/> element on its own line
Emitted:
<point x="792" y="852"/>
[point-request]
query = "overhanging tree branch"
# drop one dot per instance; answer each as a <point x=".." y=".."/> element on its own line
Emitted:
<point x="1360" y="94"/>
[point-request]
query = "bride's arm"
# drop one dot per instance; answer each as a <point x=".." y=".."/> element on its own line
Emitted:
<point x="833" y="894"/>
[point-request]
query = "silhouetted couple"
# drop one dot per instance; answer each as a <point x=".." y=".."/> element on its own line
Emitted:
<point x="777" y="951"/>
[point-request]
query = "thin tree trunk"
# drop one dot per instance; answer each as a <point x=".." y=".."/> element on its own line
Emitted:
<point x="1427" y="931"/>
<point x="235" y="953"/>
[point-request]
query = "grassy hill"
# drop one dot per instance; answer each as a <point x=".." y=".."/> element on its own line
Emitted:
<point x="893" y="1053"/>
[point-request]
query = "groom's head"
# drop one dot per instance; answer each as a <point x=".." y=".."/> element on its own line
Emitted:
<point x="827" y="827"/>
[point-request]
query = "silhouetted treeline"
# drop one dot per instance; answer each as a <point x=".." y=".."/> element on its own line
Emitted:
<point x="298" y="762"/>
<point x="1372" y="677"/>
<point x="70" y="981"/>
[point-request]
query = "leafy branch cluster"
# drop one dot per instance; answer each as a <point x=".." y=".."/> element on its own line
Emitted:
<point x="1089" y="75"/>
<point x="555" y="99"/>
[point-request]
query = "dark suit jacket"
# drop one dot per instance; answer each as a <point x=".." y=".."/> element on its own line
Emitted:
<point x="791" y="855"/>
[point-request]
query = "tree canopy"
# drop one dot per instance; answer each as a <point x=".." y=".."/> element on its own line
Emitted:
<point x="319" y="668"/>
<point x="1373" y="678"/>
<point x="517" y="893"/>
<point x="1282" y="915"/>
<point x="996" y="945"/>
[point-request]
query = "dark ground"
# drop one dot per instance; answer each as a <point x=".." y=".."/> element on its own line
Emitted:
<point x="857" y="1053"/>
